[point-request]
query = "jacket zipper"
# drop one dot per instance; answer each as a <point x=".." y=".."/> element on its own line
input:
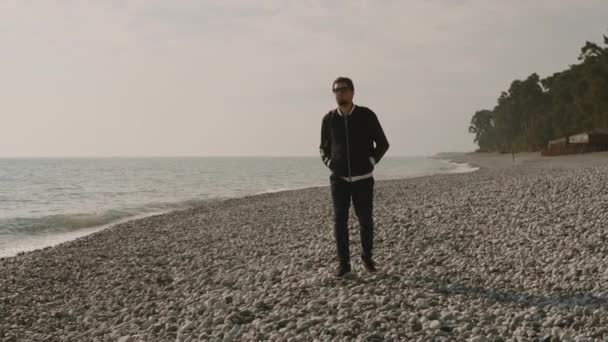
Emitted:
<point x="350" y="179"/>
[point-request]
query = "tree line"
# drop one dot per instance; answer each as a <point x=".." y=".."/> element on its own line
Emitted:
<point x="533" y="111"/>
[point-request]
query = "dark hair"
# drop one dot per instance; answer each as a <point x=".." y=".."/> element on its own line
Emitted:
<point x="346" y="80"/>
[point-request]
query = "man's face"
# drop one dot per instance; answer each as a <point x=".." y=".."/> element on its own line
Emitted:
<point x="343" y="93"/>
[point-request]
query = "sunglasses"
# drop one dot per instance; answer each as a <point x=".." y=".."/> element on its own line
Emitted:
<point x="341" y="90"/>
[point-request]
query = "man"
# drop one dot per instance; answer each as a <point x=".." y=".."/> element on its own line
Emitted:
<point x="348" y="134"/>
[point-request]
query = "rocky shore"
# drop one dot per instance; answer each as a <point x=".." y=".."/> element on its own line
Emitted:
<point x="511" y="252"/>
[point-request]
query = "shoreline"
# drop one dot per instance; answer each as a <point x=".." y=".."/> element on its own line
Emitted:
<point x="511" y="251"/>
<point x="62" y="237"/>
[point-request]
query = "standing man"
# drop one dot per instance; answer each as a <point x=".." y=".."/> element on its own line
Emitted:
<point x="348" y="134"/>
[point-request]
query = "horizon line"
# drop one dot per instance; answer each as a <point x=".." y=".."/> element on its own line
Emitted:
<point x="186" y="156"/>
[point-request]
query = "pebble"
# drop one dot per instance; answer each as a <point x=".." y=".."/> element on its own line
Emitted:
<point x="491" y="255"/>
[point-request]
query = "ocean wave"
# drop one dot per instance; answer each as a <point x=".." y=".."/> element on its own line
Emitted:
<point x="272" y="190"/>
<point x="463" y="168"/>
<point x="457" y="167"/>
<point x="61" y="223"/>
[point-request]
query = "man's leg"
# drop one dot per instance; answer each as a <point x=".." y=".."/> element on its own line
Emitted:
<point x="363" y="201"/>
<point x="340" y="193"/>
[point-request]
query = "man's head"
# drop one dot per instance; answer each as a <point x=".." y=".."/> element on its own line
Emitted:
<point x="344" y="90"/>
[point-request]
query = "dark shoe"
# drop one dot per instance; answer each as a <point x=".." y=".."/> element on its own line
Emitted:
<point x="341" y="271"/>
<point x="369" y="265"/>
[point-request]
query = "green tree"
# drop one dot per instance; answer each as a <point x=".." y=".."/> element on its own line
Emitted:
<point x="534" y="110"/>
<point x="482" y="125"/>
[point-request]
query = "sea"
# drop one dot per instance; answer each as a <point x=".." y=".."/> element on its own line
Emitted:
<point x="47" y="201"/>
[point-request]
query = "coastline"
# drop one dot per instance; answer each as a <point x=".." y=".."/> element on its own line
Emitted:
<point x="513" y="249"/>
<point x="492" y="160"/>
<point x="28" y="243"/>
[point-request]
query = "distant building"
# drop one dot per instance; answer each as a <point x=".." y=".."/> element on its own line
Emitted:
<point x="591" y="141"/>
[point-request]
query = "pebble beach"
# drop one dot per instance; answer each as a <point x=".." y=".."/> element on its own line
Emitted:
<point x="515" y="251"/>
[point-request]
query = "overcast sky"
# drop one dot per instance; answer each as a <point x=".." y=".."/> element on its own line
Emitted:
<point x="220" y="77"/>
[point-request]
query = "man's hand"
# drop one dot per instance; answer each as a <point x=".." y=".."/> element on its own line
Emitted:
<point x="325" y="146"/>
<point x="379" y="138"/>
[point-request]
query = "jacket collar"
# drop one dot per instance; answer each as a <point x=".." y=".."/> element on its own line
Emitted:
<point x="349" y="113"/>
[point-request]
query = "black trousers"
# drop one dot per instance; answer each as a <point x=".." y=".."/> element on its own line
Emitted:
<point x="362" y="194"/>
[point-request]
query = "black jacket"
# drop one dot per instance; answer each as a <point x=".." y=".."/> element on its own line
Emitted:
<point x="347" y="141"/>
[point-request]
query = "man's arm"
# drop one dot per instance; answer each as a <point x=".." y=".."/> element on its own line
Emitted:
<point x="325" y="147"/>
<point x="379" y="138"/>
